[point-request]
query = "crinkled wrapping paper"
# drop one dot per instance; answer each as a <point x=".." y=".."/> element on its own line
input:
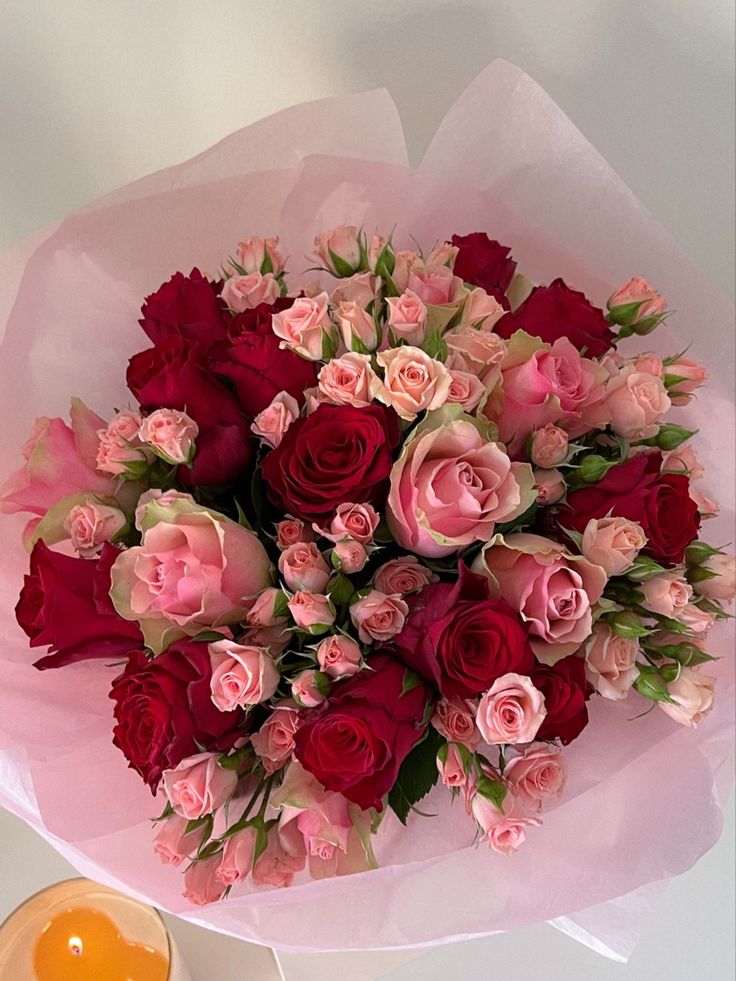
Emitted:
<point x="644" y="798"/>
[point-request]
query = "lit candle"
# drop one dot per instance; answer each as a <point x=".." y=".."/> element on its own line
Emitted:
<point x="80" y="931"/>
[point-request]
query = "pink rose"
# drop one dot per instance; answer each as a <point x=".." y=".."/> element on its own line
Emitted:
<point x="667" y="593"/>
<point x="339" y="656"/>
<point x="265" y="609"/>
<point x="454" y="719"/>
<point x="291" y="531"/>
<point x="170" y="434"/>
<point x="302" y="327"/>
<point x="378" y="616"/>
<point x="350" y="556"/>
<point x="684" y="460"/>
<point x="276" y="867"/>
<point x="404" y="261"/>
<point x="236" y="862"/>
<point x="634" y="403"/>
<point x="544" y="383"/>
<point x="648" y="364"/>
<point x="638" y="290"/>
<point x="274" y="741"/>
<point x="693" y="697"/>
<point x="59" y="461"/>
<point x="549" y="446"/>
<point x="199" y="785"/>
<point x="466" y="389"/>
<point x="376" y="247"/>
<point x="610" y="662"/>
<point x="271" y="423"/>
<point x="553" y="590"/>
<point x="434" y="284"/>
<point x="192" y="571"/>
<point x="303" y="567"/>
<point x="511" y="711"/>
<point x="339" y="250"/>
<point x="537" y="773"/>
<point x="612" y="543"/>
<point x="403" y="575"/>
<point x="241" y="675"/>
<point x="550" y="486"/>
<point x="362" y="289"/>
<point x="309" y="689"/>
<point x="247" y="292"/>
<point x="120" y="450"/>
<point x="478" y="352"/>
<point x="481" y="310"/>
<point x="89" y="526"/>
<point x="443" y="254"/>
<point x="253" y="254"/>
<point x="697" y="621"/>
<point x="451" y="768"/>
<point x="172" y="844"/>
<point x="503" y="830"/>
<point x="356" y="521"/>
<point x="451" y="485"/>
<point x="348" y="380"/>
<point x="407" y="318"/>
<point x="357" y="326"/>
<point x="201" y="885"/>
<point x="321" y="826"/>
<point x="686" y="377"/>
<point x="311" y="611"/>
<point x="722" y="587"/>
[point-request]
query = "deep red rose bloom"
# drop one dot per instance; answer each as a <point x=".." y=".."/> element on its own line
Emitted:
<point x="460" y="639"/>
<point x="636" y="490"/>
<point x="251" y="358"/>
<point x="483" y="262"/>
<point x="164" y="710"/>
<point x="64" y="605"/>
<point x="556" y="311"/>
<point x="171" y="376"/>
<point x="187" y="306"/>
<point x="337" y="454"/>
<point x="356" y="742"/>
<point x="565" y="690"/>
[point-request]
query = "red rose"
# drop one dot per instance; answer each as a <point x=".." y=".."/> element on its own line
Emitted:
<point x="64" y="605"/>
<point x="164" y="710"/>
<point x="337" y="454"/>
<point x="171" y="376"/>
<point x="637" y="490"/>
<point x="565" y="690"/>
<point x="483" y="262"/>
<point x="250" y="356"/>
<point x="187" y="306"/>
<point x="357" y="742"/>
<point x="556" y="311"/>
<point x="460" y="639"/>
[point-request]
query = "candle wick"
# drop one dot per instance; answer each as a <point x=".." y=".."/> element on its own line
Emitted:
<point x="75" y="946"/>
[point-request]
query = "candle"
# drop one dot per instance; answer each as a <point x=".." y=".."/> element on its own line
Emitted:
<point x="80" y="931"/>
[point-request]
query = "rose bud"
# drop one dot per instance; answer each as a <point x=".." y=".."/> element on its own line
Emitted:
<point x="549" y="447"/>
<point x="339" y="250"/>
<point x="271" y="424"/>
<point x="310" y="688"/>
<point x="199" y="785"/>
<point x="339" y="656"/>
<point x="170" y="434"/>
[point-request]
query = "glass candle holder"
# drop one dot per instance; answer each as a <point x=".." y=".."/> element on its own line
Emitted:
<point x="77" y="930"/>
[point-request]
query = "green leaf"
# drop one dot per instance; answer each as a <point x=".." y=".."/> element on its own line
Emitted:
<point x="340" y="590"/>
<point x="435" y="346"/>
<point x="342" y="269"/>
<point x="242" y="517"/>
<point x="329" y="345"/>
<point x="411" y="680"/>
<point x="417" y="776"/>
<point x="492" y="790"/>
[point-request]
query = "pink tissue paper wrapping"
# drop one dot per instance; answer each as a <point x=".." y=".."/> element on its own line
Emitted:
<point x="505" y="160"/>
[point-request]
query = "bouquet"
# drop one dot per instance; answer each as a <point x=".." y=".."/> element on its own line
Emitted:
<point x="399" y="518"/>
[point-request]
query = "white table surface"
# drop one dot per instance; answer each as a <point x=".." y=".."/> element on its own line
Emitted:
<point x="95" y="93"/>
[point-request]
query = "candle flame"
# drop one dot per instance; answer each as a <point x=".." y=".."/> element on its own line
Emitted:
<point x="75" y="946"/>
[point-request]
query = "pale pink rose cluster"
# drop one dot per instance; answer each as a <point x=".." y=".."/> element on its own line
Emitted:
<point x="130" y="440"/>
